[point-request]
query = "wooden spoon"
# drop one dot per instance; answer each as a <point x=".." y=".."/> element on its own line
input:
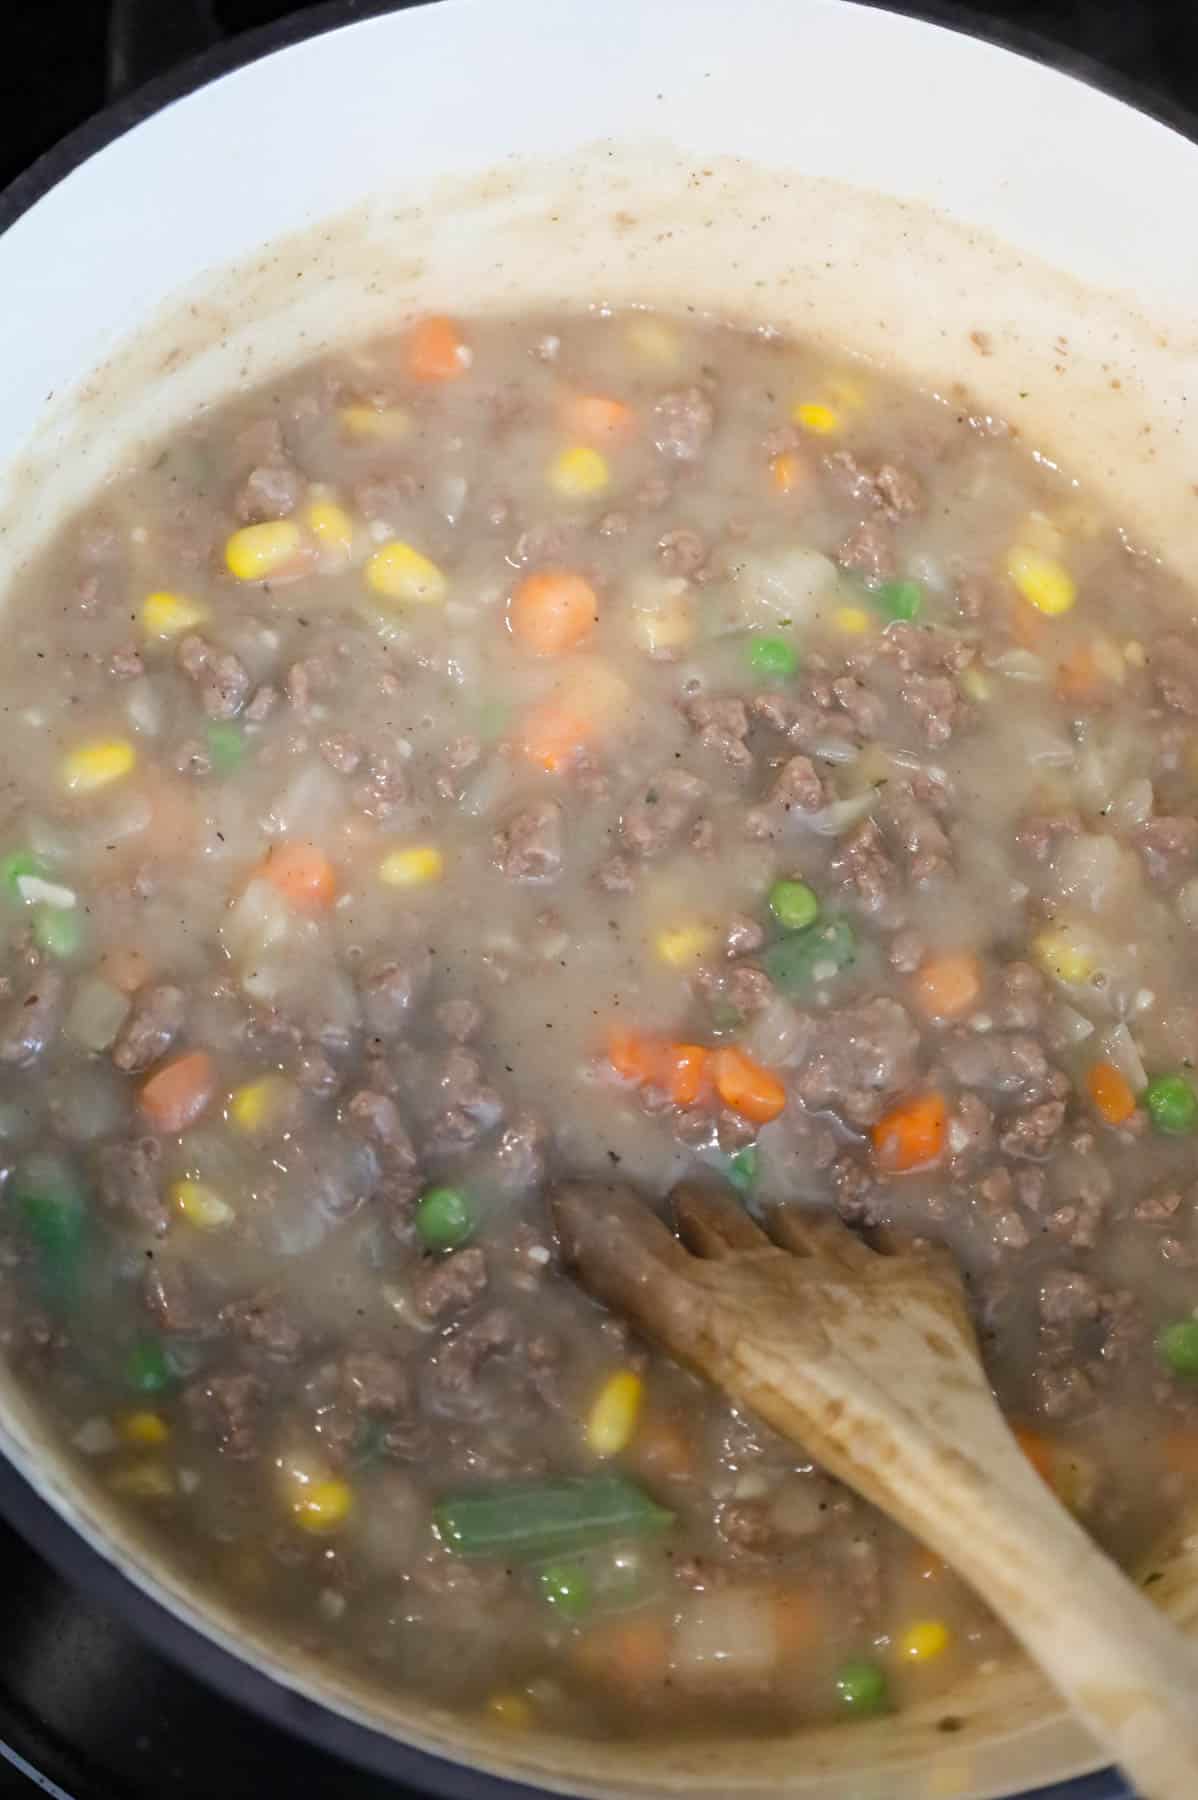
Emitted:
<point x="870" y="1362"/>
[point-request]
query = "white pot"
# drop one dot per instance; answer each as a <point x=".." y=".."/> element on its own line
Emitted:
<point x="987" y="226"/>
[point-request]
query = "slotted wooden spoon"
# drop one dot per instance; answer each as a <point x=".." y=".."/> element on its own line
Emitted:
<point x="870" y="1362"/>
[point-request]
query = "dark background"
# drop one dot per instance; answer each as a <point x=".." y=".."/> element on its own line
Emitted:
<point x="82" y="1703"/>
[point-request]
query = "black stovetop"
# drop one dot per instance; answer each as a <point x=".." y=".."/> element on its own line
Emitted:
<point x="86" y="1709"/>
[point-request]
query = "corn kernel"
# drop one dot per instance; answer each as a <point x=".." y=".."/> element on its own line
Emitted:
<point x="577" y="472"/>
<point x="145" y="1430"/>
<point x="259" y="1104"/>
<point x="814" y="416"/>
<point x="854" y="621"/>
<point x="682" y="944"/>
<point x="374" y="421"/>
<point x="786" y="472"/>
<point x="975" y="685"/>
<point x="513" y="1711"/>
<point x="331" y="526"/>
<point x="671" y="627"/>
<point x="1042" y="581"/>
<point x="324" y="1506"/>
<point x="148" y="1480"/>
<point x="926" y="1639"/>
<point x="399" y="572"/>
<point x="1061" y="958"/>
<point x="613" y="1418"/>
<point x="654" y="342"/>
<point x="96" y="765"/>
<point x="166" y="615"/>
<point x="202" y="1206"/>
<point x="416" y="867"/>
<point x="257" y="552"/>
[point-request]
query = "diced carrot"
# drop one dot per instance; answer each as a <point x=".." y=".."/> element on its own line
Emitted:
<point x="597" y="416"/>
<point x="1111" y="1093"/>
<point x="947" y="986"/>
<point x="686" y="1072"/>
<point x="912" y="1134"/>
<point x="124" y="969"/>
<point x="1029" y="628"/>
<point x="177" y="1094"/>
<point x="303" y="875"/>
<point x="1180" y="1450"/>
<point x="435" y="350"/>
<point x="633" y="1055"/>
<point x="1039" y="1452"/>
<point x="746" y="1087"/>
<point x="1079" y="678"/>
<point x="796" y="1621"/>
<point x="555" y="735"/>
<point x="552" y="611"/>
<point x="631" y="1654"/>
<point x="663" y="1449"/>
<point x="787" y="472"/>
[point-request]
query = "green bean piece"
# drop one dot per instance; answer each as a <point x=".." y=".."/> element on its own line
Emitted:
<point x="146" y="1368"/>
<point x="742" y="1170"/>
<point x="799" y="961"/>
<point x="58" y="931"/>
<point x="530" y="1520"/>
<point x="51" y="1203"/>
<point x="567" y="1588"/>
<point x="226" y="746"/>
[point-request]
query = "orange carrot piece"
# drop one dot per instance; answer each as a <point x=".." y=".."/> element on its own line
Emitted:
<point x="303" y="875"/>
<point x="631" y="1654"/>
<point x="786" y="472"/>
<point x="686" y="1072"/>
<point x="912" y="1134"/>
<point x="1079" y="678"/>
<point x="663" y="1449"/>
<point x="124" y="969"/>
<point x="555" y="735"/>
<point x="176" y="1095"/>
<point x="435" y="350"/>
<point x="797" y="1621"/>
<point x="1180" y="1451"/>
<point x="1111" y="1093"/>
<point x="633" y="1055"/>
<point x="746" y="1087"/>
<point x="597" y="416"/>
<point x="1039" y="1452"/>
<point x="947" y="986"/>
<point x="552" y="611"/>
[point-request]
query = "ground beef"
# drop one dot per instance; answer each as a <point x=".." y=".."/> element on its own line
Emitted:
<point x="29" y="1024"/>
<point x="262" y="703"/>
<point x="369" y="1382"/>
<point x="1168" y="846"/>
<point x="616" y="875"/>
<point x="898" y="492"/>
<point x="682" y="424"/>
<point x="341" y="752"/>
<point x="937" y="704"/>
<point x="681" y="552"/>
<point x="450" y="1284"/>
<point x="1068" y="1297"/>
<point x="129" y="1181"/>
<point x="264" y="1323"/>
<point x="221" y="677"/>
<point x="458" y="758"/>
<point x="795" y="787"/>
<point x="994" y="1199"/>
<point x="722" y="725"/>
<point x="743" y="935"/>
<point x="1021" y="997"/>
<point x="860" y="1057"/>
<point x="467" y="1106"/>
<point x="1008" y="1064"/>
<point x="227" y="1407"/>
<point x="662" y="813"/>
<point x="907" y="950"/>
<point x="869" y="550"/>
<point x="864" y="867"/>
<point x="169" y="1297"/>
<point x="459" y="1019"/>
<point x="1033" y="1131"/>
<point x="378" y="1117"/>
<point x="518" y="1162"/>
<point x="913" y="832"/>
<point x="154" y="1022"/>
<point x="866" y="710"/>
<point x="1039" y="833"/>
<point x="530" y="846"/>
<point x="271" y="491"/>
<point x="390" y="990"/>
<point x="1174" y="666"/>
<point x="970" y="1132"/>
<point x="451" y="1382"/>
<point x="126" y="662"/>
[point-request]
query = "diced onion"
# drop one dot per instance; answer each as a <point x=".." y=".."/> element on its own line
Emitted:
<point x="831" y="820"/>
<point x="1187" y="903"/>
<point x="726" y="1635"/>
<point x="1117" y="1047"/>
<point x="1131" y="806"/>
<point x="1070" y="1026"/>
<point x="36" y="892"/>
<point x="777" y="1034"/>
<point x="96" y="1015"/>
<point x="1020" y="665"/>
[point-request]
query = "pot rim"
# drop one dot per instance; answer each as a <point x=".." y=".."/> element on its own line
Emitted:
<point x="67" y="1551"/>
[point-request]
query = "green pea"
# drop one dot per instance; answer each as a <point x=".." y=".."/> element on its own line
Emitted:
<point x="862" y="1687"/>
<point x="797" y="963"/>
<point x="226" y="746"/>
<point x="444" y="1218"/>
<point x="1177" y="1346"/>
<point x="16" y="864"/>
<point x="57" y="930"/>
<point x="146" y="1368"/>
<point x="742" y="1170"/>
<point x="794" y="905"/>
<point x="51" y="1203"/>
<point x="1172" y="1104"/>
<point x="898" y="599"/>
<point x="567" y="1588"/>
<point x="773" y="658"/>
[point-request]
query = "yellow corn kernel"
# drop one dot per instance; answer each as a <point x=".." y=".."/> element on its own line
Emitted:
<point x="854" y="621"/>
<point x="814" y="416"/>
<point x="925" y="1640"/>
<point x="331" y="526"/>
<point x="145" y="1430"/>
<point x="324" y="1506"/>
<point x="654" y="342"/>
<point x="412" y="868"/>
<point x="513" y="1711"/>
<point x="613" y="1418"/>
<point x="259" y="1104"/>
<point x="1042" y="581"/>
<point x="374" y="421"/>
<point x="1134" y="654"/>
<point x="682" y="944"/>
<point x="1059" y="957"/>
<point x="398" y="572"/>
<point x="146" y="1480"/>
<point x="257" y="552"/>
<point x="671" y="627"/>
<point x="975" y="685"/>
<point x="578" y="472"/>
<point x="166" y="615"/>
<point x="202" y="1206"/>
<point x="95" y="765"/>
